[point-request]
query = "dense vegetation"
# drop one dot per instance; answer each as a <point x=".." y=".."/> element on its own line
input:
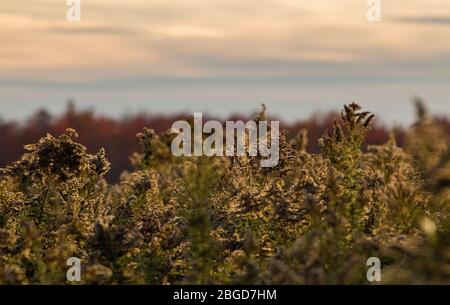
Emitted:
<point x="118" y="135"/>
<point x="314" y="219"/>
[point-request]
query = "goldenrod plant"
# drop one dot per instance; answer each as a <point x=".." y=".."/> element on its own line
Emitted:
<point x="314" y="218"/>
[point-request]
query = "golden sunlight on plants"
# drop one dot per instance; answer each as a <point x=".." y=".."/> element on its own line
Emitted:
<point x="314" y="219"/>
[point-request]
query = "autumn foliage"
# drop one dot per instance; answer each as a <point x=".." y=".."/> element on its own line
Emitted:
<point x="118" y="136"/>
<point x="331" y="203"/>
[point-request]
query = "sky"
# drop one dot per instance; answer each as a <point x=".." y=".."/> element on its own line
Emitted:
<point x="224" y="56"/>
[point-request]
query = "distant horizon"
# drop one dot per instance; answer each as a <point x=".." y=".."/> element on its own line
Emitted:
<point x="287" y="116"/>
<point x="225" y="56"/>
<point x="399" y="111"/>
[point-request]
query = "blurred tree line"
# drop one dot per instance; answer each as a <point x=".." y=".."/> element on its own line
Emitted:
<point x="118" y="136"/>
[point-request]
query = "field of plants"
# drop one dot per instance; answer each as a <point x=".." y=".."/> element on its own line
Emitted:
<point x="314" y="219"/>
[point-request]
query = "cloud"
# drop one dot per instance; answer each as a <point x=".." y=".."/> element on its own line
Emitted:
<point x="430" y="20"/>
<point x="203" y="38"/>
<point x="93" y="30"/>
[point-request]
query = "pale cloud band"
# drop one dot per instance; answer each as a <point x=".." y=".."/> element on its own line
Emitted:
<point x="261" y="41"/>
<point x="179" y="38"/>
